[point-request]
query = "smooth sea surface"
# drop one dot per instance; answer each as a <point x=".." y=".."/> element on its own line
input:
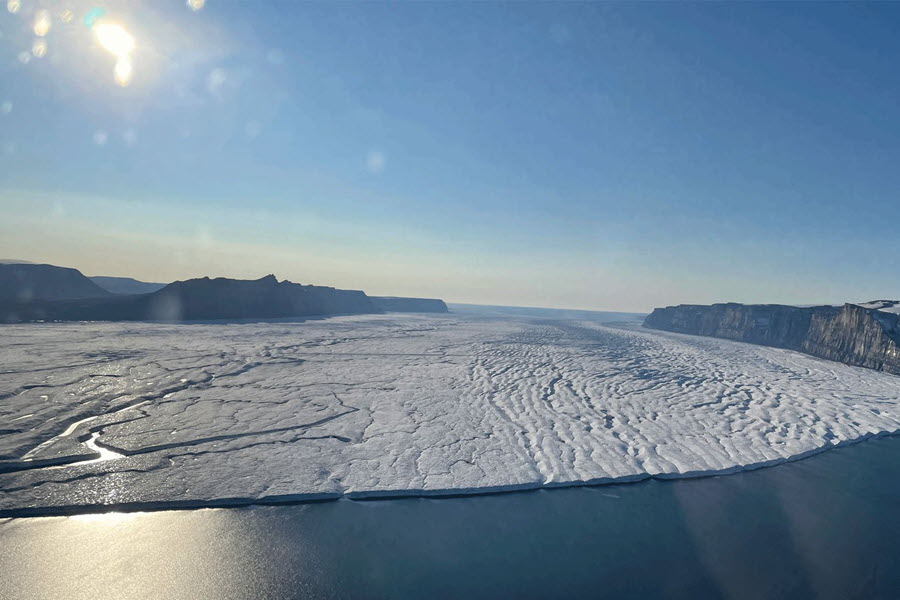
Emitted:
<point x="823" y="527"/>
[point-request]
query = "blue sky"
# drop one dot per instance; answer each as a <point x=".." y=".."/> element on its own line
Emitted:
<point x="600" y="156"/>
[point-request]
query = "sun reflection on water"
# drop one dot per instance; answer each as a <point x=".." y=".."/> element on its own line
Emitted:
<point x="109" y="518"/>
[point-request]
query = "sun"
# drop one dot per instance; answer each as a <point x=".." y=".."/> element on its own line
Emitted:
<point x="115" y="39"/>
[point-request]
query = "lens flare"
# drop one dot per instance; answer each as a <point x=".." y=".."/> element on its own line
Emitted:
<point x="122" y="71"/>
<point x="195" y="5"/>
<point x="39" y="48"/>
<point x="118" y="42"/>
<point x="92" y="16"/>
<point x="114" y="39"/>
<point x="42" y="23"/>
<point x="13" y="6"/>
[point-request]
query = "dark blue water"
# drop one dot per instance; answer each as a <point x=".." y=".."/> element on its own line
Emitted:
<point x="824" y="527"/>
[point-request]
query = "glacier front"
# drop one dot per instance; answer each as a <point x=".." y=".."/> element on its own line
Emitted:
<point x="95" y="416"/>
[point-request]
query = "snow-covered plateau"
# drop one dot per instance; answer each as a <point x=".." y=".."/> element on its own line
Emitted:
<point x="889" y="306"/>
<point x="141" y="415"/>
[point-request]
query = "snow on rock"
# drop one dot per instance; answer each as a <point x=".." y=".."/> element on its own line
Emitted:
<point x="140" y="415"/>
<point x="890" y="306"/>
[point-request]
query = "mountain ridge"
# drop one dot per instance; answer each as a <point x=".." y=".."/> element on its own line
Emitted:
<point x="22" y="282"/>
<point x="126" y="285"/>
<point x="74" y="297"/>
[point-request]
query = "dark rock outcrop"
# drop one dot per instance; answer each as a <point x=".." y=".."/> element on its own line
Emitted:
<point x="849" y="334"/>
<point x="126" y="285"/>
<point x="199" y="299"/>
<point x="397" y="304"/>
<point x="23" y="282"/>
<point x="223" y="298"/>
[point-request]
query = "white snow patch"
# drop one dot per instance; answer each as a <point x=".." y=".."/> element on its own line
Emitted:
<point x="889" y="306"/>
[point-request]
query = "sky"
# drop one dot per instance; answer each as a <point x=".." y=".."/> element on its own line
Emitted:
<point x="597" y="156"/>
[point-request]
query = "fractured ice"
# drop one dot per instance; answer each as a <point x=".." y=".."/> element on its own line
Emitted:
<point x="142" y="415"/>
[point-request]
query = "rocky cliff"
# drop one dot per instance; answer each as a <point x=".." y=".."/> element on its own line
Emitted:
<point x="851" y="334"/>
<point x="22" y="282"/>
<point x="199" y="299"/>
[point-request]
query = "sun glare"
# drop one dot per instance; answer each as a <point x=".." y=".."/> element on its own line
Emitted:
<point x="118" y="42"/>
<point x="122" y="71"/>
<point x="108" y="34"/>
<point x="115" y="39"/>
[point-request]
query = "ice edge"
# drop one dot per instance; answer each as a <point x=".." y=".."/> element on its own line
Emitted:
<point x="444" y="493"/>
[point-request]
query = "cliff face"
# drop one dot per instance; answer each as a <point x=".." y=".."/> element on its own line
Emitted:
<point x="850" y="334"/>
<point x="22" y="282"/>
<point x="396" y="304"/>
<point x="200" y="299"/>
<point x="857" y="336"/>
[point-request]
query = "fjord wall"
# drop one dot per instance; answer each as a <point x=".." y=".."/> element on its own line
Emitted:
<point x="850" y="334"/>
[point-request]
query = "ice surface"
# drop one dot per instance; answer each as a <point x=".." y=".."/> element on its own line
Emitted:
<point x="144" y="415"/>
<point x="889" y="306"/>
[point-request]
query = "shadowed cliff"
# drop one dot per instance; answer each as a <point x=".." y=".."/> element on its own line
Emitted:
<point x="199" y="299"/>
<point x="30" y="292"/>
<point x="23" y="282"/>
<point x="850" y="334"/>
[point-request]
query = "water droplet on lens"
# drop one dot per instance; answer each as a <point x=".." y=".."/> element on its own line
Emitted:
<point x="42" y="23"/>
<point x="39" y="48"/>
